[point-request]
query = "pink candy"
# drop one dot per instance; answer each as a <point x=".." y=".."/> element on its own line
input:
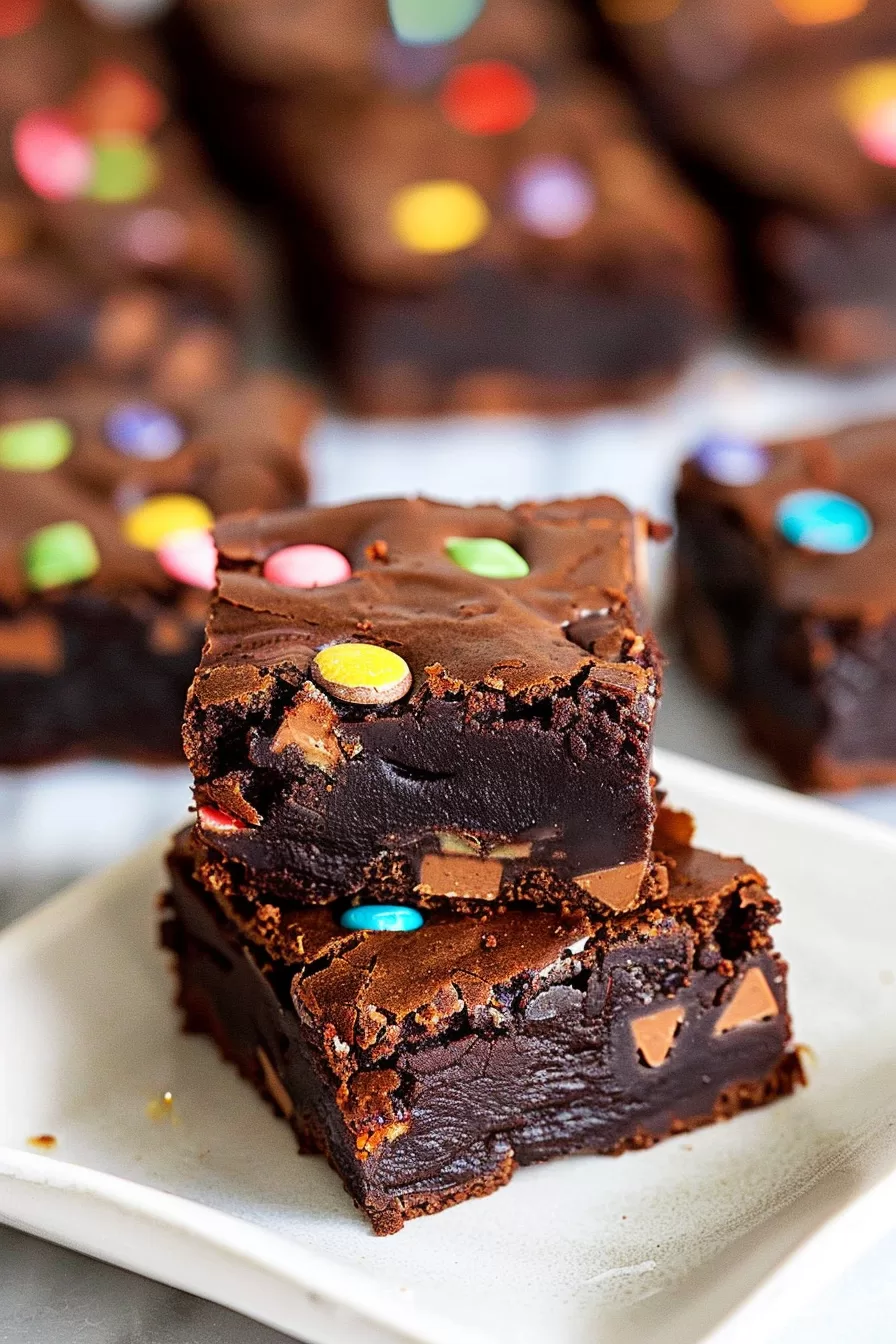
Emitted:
<point x="216" y="819"/>
<point x="190" y="557"/>
<point x="877" y="135"/>
<point x="55" y="162"/>
<point x="307" y="566"/>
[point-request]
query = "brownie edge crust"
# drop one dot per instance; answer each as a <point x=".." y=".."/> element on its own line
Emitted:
<point x="428" y="1066"/>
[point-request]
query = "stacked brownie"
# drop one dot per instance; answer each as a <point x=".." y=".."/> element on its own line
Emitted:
<point x="477" y="218"/>
<point x="432" y="905"/>
<point x="127" y="419"/>
<point x="786" y="596"/>
<point x="785" y="113"/>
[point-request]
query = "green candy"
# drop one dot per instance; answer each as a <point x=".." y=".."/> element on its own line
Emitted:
<point x="59" y="554"/>
<point x="489" y="557"/>
<point x="124" y="169"/>
<point x="34" y="445"/>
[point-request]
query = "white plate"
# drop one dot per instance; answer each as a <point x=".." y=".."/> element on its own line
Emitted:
<point x="678" y="1244"/>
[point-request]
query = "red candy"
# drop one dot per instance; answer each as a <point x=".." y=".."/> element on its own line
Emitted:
<point x="307" y="566"/>
<point x="487" y="98"/>
<point x="216" y="819"/>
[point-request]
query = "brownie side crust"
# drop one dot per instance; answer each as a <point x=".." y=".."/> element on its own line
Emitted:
<point x="427" y="1067"/>
<point x="517" y="766"/>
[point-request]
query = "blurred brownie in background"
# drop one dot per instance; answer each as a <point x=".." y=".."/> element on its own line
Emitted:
<point x="107" y="494"/>
<point x="477" y="219"/>
<point x="553" y="265"/>
<point x="785" y="112"/>
<point x="103" y="194"/>
<point x="786" y="596"/>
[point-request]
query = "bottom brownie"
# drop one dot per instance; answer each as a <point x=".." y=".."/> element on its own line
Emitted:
<point x="428" y="1065"/>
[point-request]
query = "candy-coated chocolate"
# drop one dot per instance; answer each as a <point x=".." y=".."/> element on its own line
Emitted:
<point x="307" y="566"/>
<point x="151" y="523"/>
<point x="824" y="521"/>
<point x="56" y="163"/>
<point x="731" y="459"/>
<point x="424" y="22"/>
<point x="216" y="819"/>
<point x="59" y="554"/>
<point x="487" y="98"/>
<point x="552" y="196"/>
<point x="436" y="217"/>
<point x="190" y="557"/>
<point x="489" y="557"/>
<point x="382" y="918"/>
<point x="362" y="674"/>
<point x="125" y="168"/>
<point x="35" y="445"/>
<point x="139" y="429"/>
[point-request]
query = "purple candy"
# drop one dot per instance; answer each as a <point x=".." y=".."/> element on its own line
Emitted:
<point x="729" y="459"/>
<point x="552" y="196"/>
<point x="138" y="429"/>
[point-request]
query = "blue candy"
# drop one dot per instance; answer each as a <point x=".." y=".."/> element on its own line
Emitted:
<point x="729" y="459"/>
<point x="382" y="918"/>
<point x="141" y="430"/>
<point x="824" y="521"/>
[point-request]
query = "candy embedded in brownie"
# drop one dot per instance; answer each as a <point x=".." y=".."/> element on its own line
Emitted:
<point x="786" y="597"/>
<point x="107" y="495"/>
<point x="428" y="1065"/>
<point x="461" y="713"/>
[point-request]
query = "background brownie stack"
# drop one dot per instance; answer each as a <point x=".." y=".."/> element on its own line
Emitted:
<point x="477" y="219"/>
<point x="785" y="111"/>
<point x="428" y="905"/>
<point x="127" y="419"/>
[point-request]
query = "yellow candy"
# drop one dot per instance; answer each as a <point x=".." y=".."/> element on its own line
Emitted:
<point x="864" y="88"/>
<point x="363" y="674"/>
<point x="820" y="11"/>
<point x="150" y="523"/>
<point x="438" y="216"/>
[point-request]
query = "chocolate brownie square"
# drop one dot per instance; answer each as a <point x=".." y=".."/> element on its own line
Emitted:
<point x="786" y="599"/>
<point x="428" y="1065"/>
<point x="785" y="123"/>
<point x="552" y="266"/>
<point x="107" y="494"/>
<point x="462" y="714"/>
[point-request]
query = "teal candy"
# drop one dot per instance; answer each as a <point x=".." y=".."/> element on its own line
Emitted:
<point x="423" y="23"/>
<point x="59" y="554"/>
<point x="382" y="918"/>
<point x="824" y="521"/>
<point x="34" y="445"/>
<point x="489" y="557"/>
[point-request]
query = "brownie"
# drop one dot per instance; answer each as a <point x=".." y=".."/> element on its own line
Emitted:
<point x="102" y="191"/>
<point x="784" y="125"/>
<point x="786" y="598"/>
<point x="428" y="1065"/>
<point x="106" y="494"/>
<point x="509" y="760"/>
<point x="575" y="269"/>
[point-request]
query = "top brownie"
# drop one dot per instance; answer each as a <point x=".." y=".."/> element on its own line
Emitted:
<point x="463" y="713"/>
